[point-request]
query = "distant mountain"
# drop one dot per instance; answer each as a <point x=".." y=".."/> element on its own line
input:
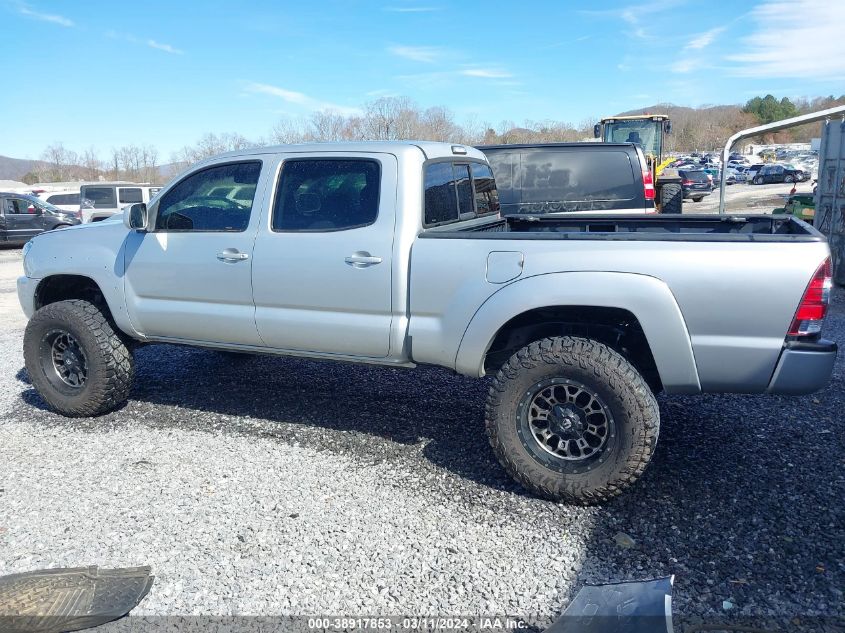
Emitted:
<point x="672" y="109"/>
<point x="16" y="168"/>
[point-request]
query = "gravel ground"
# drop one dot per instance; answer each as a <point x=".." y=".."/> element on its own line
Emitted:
<point x="275" y="486"/>
<point x="747" y="198"/>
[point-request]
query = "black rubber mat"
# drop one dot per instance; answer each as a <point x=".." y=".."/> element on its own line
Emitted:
<point x="56" y="600"/>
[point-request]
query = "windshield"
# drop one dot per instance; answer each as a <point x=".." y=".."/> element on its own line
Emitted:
<point x="643" y="133"/>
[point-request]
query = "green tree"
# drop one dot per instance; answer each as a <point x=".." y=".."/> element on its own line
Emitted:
<point x="768" y="109"/>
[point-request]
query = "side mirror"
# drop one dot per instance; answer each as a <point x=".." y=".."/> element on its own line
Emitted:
<point x="135" y="217"/>
<point x="597" y="130"/>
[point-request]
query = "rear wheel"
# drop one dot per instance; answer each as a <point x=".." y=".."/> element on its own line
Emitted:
<point x="698" y="198"/>
<point x="571" y="419"/>
<point x="671" y="198"/>
<point x="758" y="180"/>
<point x="75" y="359"/>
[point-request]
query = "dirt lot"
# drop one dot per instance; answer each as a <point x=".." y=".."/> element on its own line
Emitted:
<point x="291" y="486"/>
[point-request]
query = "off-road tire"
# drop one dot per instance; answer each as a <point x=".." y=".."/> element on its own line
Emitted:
<point x="671" y="198"/>
<point x="110" y="365"/>
<point x="634" y="408"/>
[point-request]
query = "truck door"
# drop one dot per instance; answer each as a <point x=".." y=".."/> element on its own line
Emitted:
<point x="189" y="278"/>
<point x="322" y="271"/>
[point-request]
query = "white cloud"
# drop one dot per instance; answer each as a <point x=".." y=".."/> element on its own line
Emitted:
<point x="635" y="14"/>
<point x="486" y="73"/>
<point x="299" y="98"/>
<point x="798" y="38"/>
<point x="702" y="40"/>
<point x="425" y="54"/>
<point x="54" y="18"/>
<point x="167" y="48"/>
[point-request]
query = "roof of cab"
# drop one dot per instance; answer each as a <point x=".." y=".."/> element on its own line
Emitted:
<point x="429" y="149"/>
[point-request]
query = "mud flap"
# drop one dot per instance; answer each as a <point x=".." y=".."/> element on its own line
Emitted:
<point x="623" y="607"/>
<point x="54" y="600"/>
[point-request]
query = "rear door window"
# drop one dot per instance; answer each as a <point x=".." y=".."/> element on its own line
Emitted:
<point x="129" y="195"/>
<point x="101" y="197"/>
<point x="326" y="194"/>
<point x="576" y="180"/>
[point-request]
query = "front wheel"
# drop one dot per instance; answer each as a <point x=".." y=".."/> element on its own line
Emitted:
<point x="75" y="360"/>
<point x="758" y="180"/>
<point x="570" y="419"/>
<point x="788" y="178"/>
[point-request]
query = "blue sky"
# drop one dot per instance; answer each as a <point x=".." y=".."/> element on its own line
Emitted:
<point x="105" y="74"/>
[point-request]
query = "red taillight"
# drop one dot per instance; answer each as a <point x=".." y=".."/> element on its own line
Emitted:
<point x="810" y="314"/>
<point x="648" y="184"/>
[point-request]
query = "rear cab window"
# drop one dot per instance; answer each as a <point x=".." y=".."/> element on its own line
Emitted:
<point x="457" y="190"/>
<point x="695" y="175"/>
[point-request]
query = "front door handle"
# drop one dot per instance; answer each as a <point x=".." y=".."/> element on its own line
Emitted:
<point x="362" y="259"/>
<point x="231" y="255"/>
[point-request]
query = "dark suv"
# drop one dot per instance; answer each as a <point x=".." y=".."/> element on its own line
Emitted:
<point x="777" y="173"/>
<point x="695" y="184"/>
<point x="570" y="178"/>
<point x="22" y="217"/>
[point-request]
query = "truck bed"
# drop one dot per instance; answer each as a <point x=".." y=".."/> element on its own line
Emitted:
<point x="697" y="228"/>
<point x="734" y="281"/>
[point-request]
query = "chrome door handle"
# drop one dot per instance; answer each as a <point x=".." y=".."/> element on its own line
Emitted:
<point x="362" y="259"/>
<point x="232" y="255"/>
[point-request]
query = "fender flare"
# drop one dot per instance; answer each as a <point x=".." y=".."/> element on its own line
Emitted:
<point x="649" y="299"/>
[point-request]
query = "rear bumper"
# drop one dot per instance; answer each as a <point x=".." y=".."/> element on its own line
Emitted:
<point x="803" y="367"/>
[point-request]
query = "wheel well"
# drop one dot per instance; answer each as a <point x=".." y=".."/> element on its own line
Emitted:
<point x="64" y="287"/>
<point x="615" y="327"/>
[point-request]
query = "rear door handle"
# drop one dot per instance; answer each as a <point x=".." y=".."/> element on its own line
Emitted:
<point x="232" y="255"/>
<point x="362" y="259"/>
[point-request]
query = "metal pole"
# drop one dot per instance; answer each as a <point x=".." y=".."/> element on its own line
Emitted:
<point x="769" y="127"/>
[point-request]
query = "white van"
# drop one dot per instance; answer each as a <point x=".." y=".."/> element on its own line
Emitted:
<point x="103" y="199"/>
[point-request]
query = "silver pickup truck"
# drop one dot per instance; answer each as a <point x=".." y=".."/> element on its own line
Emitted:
<point x="397" y="254"/>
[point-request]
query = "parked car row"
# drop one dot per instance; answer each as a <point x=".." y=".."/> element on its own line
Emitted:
<point x="93" y="202"/>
